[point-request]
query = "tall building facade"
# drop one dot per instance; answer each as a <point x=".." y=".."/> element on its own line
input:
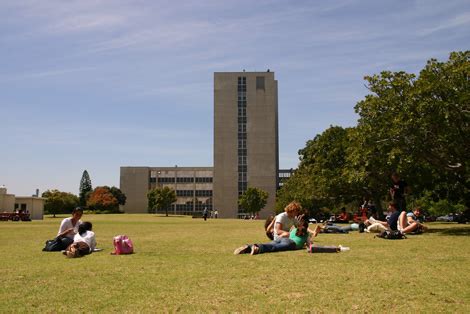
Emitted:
<point x="246" y="146"/>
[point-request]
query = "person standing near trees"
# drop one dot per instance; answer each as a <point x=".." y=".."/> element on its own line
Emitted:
<point x="398" y="190"/>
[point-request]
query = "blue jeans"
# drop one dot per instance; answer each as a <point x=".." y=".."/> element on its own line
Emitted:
<point x="337" y="229"/>
<point x="282" y="244"/>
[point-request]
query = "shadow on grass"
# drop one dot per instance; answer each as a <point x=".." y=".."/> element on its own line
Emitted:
<point x="454" y="231"/>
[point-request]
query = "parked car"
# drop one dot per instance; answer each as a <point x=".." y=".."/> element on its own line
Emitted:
<point x="447" y="218"/>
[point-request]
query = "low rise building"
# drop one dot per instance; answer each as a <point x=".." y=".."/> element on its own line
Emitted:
<point x="33" y="205"/>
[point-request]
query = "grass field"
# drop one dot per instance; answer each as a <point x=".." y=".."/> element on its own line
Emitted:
<point x="185" y="264"/>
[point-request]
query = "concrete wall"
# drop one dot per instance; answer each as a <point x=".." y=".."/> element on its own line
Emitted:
<point x="35" y="206"/>
<point x="134" y="183"/>
<point x="7" y="202"/>
<point x="225" y="144"/>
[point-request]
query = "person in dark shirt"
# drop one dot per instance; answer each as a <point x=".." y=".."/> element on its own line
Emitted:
<point x="398" y="190"/>
<point x="394" y="215"/>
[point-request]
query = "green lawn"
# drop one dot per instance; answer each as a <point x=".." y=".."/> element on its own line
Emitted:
<point x="185" y="264"/>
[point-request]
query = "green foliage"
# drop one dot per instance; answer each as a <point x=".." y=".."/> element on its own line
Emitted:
<point x="437" y="207"/>
<point x="160" y="198"/>
<point x="85" y="188"/>
<point x="418" y="126"/>
<point x="58" y="202"/>
<point x="321" y="179"/>
<point x="253" y="200"/>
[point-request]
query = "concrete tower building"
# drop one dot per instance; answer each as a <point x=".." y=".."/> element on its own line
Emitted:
<point x="245" y="138"/>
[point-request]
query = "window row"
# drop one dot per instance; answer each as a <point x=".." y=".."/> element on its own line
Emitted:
<point x="182" y="180"/>
<point x="242" y="121"/>
<point x="242" y="177"/>
<point x="241" y="80"/>
<point x="242" y="112"/>
<point x="190" y="193"/>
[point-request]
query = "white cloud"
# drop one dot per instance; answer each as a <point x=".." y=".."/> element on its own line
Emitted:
<point x="456" y="21"/>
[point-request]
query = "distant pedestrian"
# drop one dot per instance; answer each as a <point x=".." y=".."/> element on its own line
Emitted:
<point x="216" y="213"/>
<point x="398" y="191"/>
<point x="204" y="213"/>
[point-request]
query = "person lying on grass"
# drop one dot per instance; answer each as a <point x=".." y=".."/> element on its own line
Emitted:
<point x="299" y="237"/>
<point x="84" y="241"/>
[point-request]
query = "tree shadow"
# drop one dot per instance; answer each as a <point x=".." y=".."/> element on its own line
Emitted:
<point x="454" y="231"/>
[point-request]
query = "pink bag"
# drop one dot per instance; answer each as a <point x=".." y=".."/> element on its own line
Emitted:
<point x="122" y="245"/>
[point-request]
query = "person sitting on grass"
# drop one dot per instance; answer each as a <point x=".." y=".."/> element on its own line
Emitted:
<point x="285" y="220"/>
<point x="84" y="242"/>
<point x="408" y="222"/>
<point x="343" y="217"/>
<point x="69" y="227"/>
<point x="374" y="225"/>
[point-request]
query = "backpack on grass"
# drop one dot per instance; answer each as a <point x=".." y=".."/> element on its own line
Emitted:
<point x="391" y="235"/>
<point x="122" y="245"/>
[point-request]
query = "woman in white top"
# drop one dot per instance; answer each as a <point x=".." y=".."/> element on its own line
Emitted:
<point x="68" y="228"/>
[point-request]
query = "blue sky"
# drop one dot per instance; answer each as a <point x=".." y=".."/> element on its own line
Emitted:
<point x="101" y="84"/>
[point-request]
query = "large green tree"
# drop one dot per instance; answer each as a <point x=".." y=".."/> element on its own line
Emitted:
<point x="418" y="126"/>
<point x="321" y="181"/>
<point x="160" y="198"/>
<point x="85" y="188"/>
<point x="58" y="202"/>
<point x="253" y="200"/>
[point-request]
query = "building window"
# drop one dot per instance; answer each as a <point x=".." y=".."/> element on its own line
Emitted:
<point x="166" y="180"/>
<point x="260" y="82"/>
<point x="242" y="136"/>
<point x="204" y="180"/>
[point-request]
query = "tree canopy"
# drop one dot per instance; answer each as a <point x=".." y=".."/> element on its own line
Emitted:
<point x="160" y="198"/>
<point x="58" y="202"/>
<point x="418" y="126"/>
<point x="85" y="188"/>
<point x="102" y="200"/>
<point x="253" y="200"/>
